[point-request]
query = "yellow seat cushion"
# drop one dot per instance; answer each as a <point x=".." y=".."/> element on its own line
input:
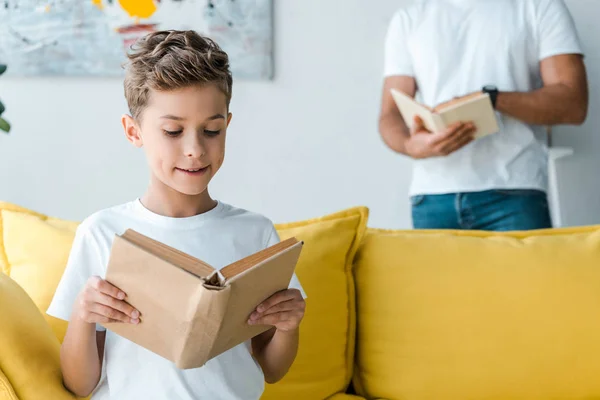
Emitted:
<point x="34" y="250"/>
<point x="342" y="396"/>
<point x="479" y="315"/>
<point x="324" y="363"/>
<point x="6" y="390"/>
<point x="29" y="351"/>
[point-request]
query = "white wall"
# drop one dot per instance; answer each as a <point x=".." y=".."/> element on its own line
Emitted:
<point x="301" y="146"/>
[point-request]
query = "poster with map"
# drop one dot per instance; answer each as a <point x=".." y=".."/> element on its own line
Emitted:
<point x="91" y="37"/>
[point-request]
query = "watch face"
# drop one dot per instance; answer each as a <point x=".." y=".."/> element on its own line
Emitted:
<point x="490" y="88"/>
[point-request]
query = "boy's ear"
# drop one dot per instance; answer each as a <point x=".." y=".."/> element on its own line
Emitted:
<point x="229" y="118"/>
<point x="132" y="131"/>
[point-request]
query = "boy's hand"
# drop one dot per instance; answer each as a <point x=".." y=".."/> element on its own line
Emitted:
<point x="284" y="310"/>
<point x="100" y="302"/>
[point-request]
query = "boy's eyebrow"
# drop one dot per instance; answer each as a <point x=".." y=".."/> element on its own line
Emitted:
<point x="176" y="118"/>
<point x="216" y="116"/>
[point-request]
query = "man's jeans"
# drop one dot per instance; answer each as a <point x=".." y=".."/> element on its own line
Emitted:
<point x="492" y="210"/>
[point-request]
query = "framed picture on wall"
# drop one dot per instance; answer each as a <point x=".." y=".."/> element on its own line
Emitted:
<point x="91" y="37"/>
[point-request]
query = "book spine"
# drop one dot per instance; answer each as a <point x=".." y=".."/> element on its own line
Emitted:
<point x="206" y="321"/>
<point x="438" y="122"/>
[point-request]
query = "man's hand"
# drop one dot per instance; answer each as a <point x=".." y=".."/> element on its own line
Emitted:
<point x="100" y="302"/>
<point x="425" y="144"/>
<point x="284" y="310"/>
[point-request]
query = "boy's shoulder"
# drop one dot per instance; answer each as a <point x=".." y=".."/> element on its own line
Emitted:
<point x="107" y="217"/>
<point x="245" y="221"/>
<point x="242" y="214"/>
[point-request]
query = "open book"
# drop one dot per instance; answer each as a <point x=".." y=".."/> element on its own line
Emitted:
<point x="475" y="107"/>
<point x="191" y="312"/>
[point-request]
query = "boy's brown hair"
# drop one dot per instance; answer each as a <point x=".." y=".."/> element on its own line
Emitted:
<point x="169" y="60"/>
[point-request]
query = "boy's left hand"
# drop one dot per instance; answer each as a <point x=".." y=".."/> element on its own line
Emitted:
<point x="284" y="310"/>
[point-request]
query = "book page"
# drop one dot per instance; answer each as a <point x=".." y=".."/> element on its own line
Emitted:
<point x="476" y="108"/>
<point x="246" y="263"/>
<point x="250" y="288"/>
<point x="171" y="255"/>
<point x="409" y="108"/>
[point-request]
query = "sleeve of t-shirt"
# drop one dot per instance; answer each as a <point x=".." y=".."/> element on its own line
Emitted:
<point x="397" y="59"/>
<point x="556" y="30"/>
<point x="294" y="283"/>
<point x="84" y="262"/>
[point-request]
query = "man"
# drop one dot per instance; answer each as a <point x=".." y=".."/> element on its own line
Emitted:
<point x="526" y="54"/>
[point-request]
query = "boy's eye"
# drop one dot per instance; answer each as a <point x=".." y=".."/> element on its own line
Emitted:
<point x="211" y="133"/>
<point x="173" y="133"/>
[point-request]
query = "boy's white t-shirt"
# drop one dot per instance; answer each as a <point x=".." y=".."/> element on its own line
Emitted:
<point x="455" y="47"/>
<point x="220" y="236"/>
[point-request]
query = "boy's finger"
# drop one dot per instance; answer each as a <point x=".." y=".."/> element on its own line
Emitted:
<point x="104" y="287"/>
<point x="111" y="313"/>
<point x="102" y="319"/>
<point x="272" y="319"/>
<point x="288" y="305"/>
<point x="118" y="305"/>
<point x="278" y="297"/>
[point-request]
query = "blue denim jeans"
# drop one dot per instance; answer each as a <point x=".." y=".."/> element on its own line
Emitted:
<point x="491" y="210"/>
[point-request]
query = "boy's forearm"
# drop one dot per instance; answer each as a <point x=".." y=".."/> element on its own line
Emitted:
<point x="276" y="351"/>
<point x="80" y="361"/>
<point x="551" y="105"/>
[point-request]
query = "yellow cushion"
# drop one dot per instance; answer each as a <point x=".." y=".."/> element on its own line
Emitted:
<point x="6" y="390"/>
<point x="476" y="315"/>
<point x="324" y="363"/>
<point x="29" y="351"/>
<point x="33" y="251"/>
<point x="342" y="396"/>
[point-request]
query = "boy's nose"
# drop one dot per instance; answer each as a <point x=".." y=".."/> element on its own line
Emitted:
<point x="194" y="148"/>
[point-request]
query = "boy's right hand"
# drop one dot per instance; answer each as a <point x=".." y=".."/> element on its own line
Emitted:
<point x="100" y="302"/>
<point x="425" y="144"/>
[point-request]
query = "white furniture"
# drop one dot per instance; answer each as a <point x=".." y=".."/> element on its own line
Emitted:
<point x="555" y="154"/>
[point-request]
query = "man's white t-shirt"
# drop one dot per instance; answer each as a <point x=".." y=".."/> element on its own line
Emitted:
<point x="455" y="47"/>
<point x="220" y="236"/>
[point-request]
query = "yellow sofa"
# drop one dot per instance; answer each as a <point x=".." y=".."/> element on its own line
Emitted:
<point x="390" y="314"/>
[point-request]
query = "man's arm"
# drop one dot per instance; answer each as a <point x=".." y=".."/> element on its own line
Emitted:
<point x="562" y="100"/>
<point x="392" y="127"/>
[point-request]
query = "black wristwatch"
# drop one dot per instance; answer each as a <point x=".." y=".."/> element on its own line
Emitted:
<point x="493" y="92"/>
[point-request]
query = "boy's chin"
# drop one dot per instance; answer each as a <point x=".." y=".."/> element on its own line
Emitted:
<point x="190" y="191"/>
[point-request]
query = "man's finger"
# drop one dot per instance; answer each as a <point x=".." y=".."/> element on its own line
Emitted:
<point x="453" y="131"/>
<point x="466" y="130"/>
<point x="278" y="297"/>
<point x="456" y="145"/>
<point x="417" y="126"/>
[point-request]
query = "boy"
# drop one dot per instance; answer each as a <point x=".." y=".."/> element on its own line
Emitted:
<point x="178" y="88"/>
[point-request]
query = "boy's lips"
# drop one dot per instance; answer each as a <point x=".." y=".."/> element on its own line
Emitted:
<point x="193" y="171"/>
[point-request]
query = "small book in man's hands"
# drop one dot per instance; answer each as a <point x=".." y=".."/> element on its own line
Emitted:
<point x="190" y="311"/>
<point x="475" y="107"/>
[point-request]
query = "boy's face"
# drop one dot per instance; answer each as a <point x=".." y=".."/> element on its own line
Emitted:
<point x="183" y="134"/>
